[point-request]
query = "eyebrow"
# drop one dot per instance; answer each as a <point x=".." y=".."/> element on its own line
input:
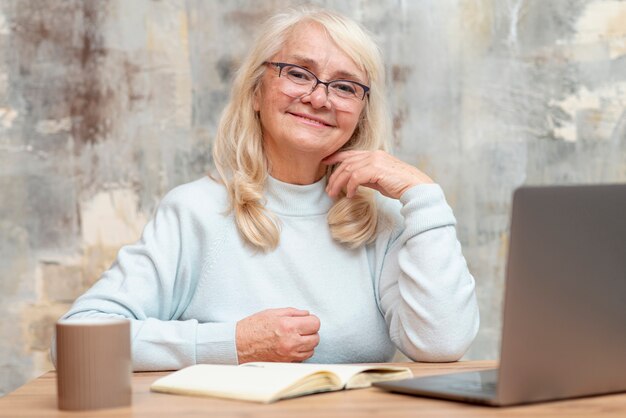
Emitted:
<point x="341" y="74"/>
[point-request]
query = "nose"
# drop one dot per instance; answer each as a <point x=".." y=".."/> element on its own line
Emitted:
<point x="318" y="97"/>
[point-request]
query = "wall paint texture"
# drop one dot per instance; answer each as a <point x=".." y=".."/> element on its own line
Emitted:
<point x="106" y="105"/>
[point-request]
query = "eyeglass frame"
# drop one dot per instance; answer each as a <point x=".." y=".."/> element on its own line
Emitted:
<point x="281" y="65"/>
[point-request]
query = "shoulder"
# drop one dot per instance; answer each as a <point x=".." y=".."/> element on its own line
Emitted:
<point x="203" y="195"/>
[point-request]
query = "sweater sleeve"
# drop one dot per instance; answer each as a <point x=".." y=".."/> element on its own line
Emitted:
<point x="151" y="283"/>
<point x="426" y="291"/>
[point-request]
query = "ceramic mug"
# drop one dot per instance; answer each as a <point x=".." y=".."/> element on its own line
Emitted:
<point x="94" y="365"/>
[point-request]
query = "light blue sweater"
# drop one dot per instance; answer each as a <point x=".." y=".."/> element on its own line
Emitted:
<point x="190" y="278"/>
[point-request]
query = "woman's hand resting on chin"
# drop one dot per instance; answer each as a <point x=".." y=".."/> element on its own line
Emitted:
<point x="377" y="170"/>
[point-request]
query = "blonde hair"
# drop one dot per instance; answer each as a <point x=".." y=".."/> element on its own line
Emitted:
<point x="238" y="150"/>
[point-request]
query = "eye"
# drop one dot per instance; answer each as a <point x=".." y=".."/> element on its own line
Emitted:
<point x="298" y="74"/>
<point x="345" y="88"/>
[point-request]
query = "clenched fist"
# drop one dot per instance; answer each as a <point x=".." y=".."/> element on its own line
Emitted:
<point x="286" y="334"/>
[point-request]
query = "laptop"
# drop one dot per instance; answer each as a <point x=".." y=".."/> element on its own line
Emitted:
<point x="564" y="325"/>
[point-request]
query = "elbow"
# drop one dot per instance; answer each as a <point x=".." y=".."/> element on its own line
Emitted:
<point x="446" y="344"/>
<point x="439" y="352"/>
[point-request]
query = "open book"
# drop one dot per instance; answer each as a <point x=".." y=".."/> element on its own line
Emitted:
<point x="269" y="382"/>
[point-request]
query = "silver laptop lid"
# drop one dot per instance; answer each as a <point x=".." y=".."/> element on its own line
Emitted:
<point x="564" y="328"/>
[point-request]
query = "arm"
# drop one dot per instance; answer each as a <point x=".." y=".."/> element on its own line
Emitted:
<point x="425" y="290"/>
<point x="151" y="283"/>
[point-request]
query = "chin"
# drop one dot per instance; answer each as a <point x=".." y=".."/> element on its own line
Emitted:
<point x="312" y="146"/>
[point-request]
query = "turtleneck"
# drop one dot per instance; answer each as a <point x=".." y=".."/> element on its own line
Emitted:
<point x="297" y="200"/>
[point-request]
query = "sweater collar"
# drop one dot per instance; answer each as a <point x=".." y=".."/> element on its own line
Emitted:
<point x="297" y="200"/>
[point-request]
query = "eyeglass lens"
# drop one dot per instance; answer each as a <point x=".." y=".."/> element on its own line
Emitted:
<point x="299" y="82"/>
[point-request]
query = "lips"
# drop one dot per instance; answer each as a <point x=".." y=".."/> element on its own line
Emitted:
<point x="311" y="119"/>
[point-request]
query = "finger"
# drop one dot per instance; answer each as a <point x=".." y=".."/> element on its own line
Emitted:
<point x="365" y="176"/>
<point x="306" y="325"/>
<point x="308" y="342"/>
<point x="299" y="357"/>
<point x="335" y="182"/>
<point x="342" y="178"/>
<point x="289" y="312"/>
<point x="340" y="156"/>
<point x="346" y="163"/>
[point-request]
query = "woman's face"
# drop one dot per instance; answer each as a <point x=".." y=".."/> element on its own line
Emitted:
<point x="311" y="124"/>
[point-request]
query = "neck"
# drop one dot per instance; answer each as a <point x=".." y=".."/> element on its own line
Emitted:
<point x="295" y="168"/>
<point x="298" y="200"/>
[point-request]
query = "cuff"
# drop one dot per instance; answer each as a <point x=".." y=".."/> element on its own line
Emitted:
<point x="215" y="343"/>
<point x="424" y="207"/>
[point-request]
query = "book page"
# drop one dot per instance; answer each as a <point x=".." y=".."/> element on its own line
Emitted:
<point x="351" y="376"/>
<point x="376" y="374"/>
<point x="247" y="383"/>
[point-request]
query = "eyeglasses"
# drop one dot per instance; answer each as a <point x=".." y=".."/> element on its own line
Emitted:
<point x="303" y="82"/>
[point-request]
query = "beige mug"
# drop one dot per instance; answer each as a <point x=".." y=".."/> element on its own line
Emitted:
<point x="94" y="365"/>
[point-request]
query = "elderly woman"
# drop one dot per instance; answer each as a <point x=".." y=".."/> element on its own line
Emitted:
<point x="310" y="243"/>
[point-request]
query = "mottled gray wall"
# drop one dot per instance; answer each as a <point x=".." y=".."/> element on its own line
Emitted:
<point x="106" y="105"/>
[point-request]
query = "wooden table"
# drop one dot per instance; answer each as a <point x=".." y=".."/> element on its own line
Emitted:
<point x="38" y="399"/>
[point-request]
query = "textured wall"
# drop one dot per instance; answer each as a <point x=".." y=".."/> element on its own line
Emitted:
<point x="106" y="105"/>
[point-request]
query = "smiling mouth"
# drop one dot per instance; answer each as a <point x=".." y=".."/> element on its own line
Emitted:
<point x="308" y="120"/>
